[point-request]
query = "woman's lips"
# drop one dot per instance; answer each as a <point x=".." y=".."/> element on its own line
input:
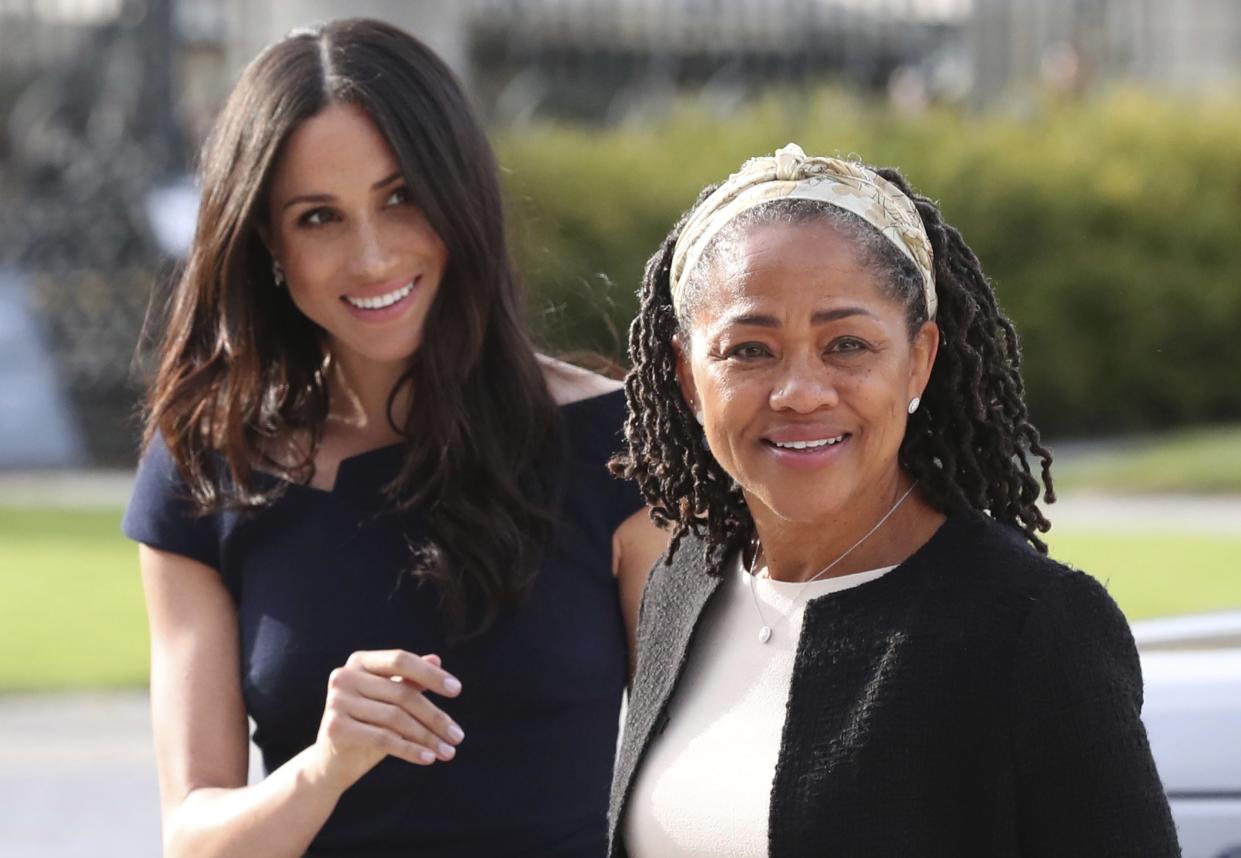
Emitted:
<point x="383" y="305"/>
<point x="812" y="443"/>
<point x="809" y="451"/>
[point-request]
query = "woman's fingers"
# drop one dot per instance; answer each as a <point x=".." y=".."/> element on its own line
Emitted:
<point x="400" y="663"/>
<point x="375" y="707"/>
<point x="413" y="702"/>
<point x="394" y="744"/>
<point x="353" y="747"/>
<point x="396" y="720"/>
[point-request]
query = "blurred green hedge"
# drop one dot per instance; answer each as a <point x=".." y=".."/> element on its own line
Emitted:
<point x="1112" y="230"/>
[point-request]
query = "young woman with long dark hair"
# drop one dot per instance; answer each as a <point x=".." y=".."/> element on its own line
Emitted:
<point x="372" y="519"/>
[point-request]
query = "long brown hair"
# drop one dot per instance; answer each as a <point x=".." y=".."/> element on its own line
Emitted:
<point x="241" y="370"/>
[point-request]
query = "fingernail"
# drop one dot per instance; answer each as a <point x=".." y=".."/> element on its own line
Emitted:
<point x="447" y="750"/>
<point x="456" y="733"/>
<point x="451" y="684"/>
<point x="426" y="756"/>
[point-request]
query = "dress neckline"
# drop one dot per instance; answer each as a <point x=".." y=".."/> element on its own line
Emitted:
<point x="348" y="466"/>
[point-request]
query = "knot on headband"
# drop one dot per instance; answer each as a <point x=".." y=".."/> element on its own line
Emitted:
<point x="788" y="162"/>
<point x="791" y="174"/>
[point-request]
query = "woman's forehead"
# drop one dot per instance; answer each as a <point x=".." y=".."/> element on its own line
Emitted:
<point x="340" y="145"/>
<point x="783" y="263"/>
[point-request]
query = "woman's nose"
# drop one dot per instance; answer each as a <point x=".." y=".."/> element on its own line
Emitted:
<point x="374" y="256"/>
<point x="803" y="387"/>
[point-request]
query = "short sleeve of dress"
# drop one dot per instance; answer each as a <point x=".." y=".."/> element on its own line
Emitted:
<point x="600" y="434"/>
<point x="161" y="513"/>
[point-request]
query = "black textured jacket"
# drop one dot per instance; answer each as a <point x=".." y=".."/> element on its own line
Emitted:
<point x="978" y="700"/>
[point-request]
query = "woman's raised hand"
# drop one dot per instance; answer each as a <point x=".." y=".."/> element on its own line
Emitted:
<point x="377" y="706"/>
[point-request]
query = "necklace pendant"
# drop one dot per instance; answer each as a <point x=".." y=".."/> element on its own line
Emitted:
<point x="764" y="634"/>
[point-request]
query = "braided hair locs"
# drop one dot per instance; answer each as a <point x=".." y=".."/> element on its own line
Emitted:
<point x="969" y="445"/>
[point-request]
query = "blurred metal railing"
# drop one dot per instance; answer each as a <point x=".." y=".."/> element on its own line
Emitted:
<point x="617" y="61"/>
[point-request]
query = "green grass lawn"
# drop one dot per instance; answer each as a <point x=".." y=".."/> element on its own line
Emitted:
<point x="71" y="613"/>
<point x="1157" y="574"/>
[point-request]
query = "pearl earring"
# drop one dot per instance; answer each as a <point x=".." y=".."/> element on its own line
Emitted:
<point x="913" y="404"/>
<point x="277" y="273"/>
<point x="698" y="416"/>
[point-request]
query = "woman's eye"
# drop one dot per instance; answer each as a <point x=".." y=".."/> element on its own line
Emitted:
<point x="316" y="217"/>
<point x="749" y="351"/>
<point x="398" y="197"/>
<point x="847" y="345"/>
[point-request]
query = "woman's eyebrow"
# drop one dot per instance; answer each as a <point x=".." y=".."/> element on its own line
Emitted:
<point x="327" y="198"/>
<point x="387" y="180"/>
<point x="308" y="198"/>
<point x="760" y="320"/>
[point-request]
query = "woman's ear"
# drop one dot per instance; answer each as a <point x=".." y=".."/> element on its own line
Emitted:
<point x="923" y="349"/>
<point x="685" y="376"/>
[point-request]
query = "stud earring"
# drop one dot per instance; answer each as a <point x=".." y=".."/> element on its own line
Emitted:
<point x="914" y="403"/>
<point x="277" y="273"/>
<point x="698" y="416"/>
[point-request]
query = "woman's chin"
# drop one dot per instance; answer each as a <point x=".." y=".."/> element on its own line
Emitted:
<point x="799" y="508"/>
<point x="376" y="352"/>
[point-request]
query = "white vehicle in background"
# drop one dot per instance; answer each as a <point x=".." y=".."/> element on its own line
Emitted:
<point x="1192" y="670"/>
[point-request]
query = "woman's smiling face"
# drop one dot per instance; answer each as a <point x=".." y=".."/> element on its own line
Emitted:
<point x="360" y="258"/>
<point x="803" y="369"/>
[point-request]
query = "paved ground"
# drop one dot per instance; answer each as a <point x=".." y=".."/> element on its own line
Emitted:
<point x="77" y="777"/>
<point x="68" y="488"/>
<point x="77" y="774"/>
<point x="1147" y="513"/>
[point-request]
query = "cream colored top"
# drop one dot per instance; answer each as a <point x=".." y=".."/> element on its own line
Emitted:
<point x="704" y="788"/>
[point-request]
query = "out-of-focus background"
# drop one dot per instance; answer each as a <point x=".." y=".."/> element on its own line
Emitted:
<point x="1089" y="150"/>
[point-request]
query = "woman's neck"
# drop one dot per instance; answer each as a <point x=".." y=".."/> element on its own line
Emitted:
<point x="799" y="551"/>
<point x="359" y="396"/>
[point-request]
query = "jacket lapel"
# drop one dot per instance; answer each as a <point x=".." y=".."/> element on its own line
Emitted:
<point x="674" y="599"/>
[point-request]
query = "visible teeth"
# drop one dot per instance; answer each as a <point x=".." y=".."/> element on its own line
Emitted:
<point x="809" y="445"/>
<point x="381" y="301"/>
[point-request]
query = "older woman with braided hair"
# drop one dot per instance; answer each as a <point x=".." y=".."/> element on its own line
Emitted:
<point x="856" y="645"/>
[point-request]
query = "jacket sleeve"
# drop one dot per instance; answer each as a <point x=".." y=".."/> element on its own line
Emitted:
<point x="1086" y="781"/>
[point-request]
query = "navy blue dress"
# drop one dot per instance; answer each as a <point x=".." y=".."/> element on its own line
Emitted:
<point x="320" y="574"/>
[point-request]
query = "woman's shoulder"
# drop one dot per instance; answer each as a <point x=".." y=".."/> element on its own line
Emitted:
<point x="593" y="412"/>
<point x="692" y="567"/>
<point x="592" y="406"/>
<point x="569" y="383"/>
<point x="995" y="563"/>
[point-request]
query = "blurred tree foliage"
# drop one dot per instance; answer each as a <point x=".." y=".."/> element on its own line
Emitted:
<point x="1111" y="228"/>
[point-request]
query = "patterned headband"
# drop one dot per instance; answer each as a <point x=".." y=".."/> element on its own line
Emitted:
<point x="790" y="174"/>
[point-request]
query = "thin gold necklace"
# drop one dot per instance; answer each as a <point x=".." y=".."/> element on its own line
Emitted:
<point x="764" y="633"/>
